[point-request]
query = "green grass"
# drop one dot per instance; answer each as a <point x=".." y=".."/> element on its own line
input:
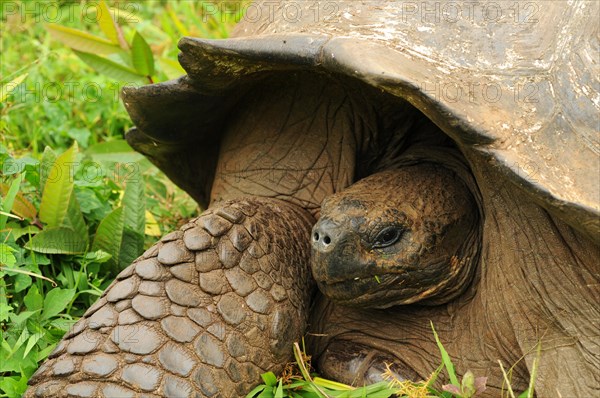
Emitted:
<point x="55" y="260"/>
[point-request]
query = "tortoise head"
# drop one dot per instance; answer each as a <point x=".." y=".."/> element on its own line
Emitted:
<point x="397" y="237"/>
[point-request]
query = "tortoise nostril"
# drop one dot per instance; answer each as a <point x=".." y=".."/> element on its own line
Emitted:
<point x="325" y="236"/>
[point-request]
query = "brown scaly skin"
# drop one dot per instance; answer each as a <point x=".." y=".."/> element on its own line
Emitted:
<point x="202" y="313"/>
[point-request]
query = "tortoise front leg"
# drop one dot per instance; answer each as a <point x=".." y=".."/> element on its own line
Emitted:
<point x="202" y="313"/>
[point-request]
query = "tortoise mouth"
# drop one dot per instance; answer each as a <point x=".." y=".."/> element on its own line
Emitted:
<point x="349" y="287"/>
<point x="357" y="291"/>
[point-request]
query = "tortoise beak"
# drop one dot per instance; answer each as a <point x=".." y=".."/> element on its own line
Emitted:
<point x="336" y="253"/>
<point x="325" y="236"/>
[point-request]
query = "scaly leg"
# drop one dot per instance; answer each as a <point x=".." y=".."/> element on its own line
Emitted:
<point x="202" y="313"/>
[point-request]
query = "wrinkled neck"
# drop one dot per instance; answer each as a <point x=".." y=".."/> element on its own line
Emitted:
<point x="296" y="141"/>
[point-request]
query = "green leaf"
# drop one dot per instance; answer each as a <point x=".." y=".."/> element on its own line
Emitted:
<point x="31" y="342"/>
<point x="48" y="160"/>
<point x="279" y="391"/>
<point x="74" y="219"/>
<point x="266" y="393"/>
<point x="334" y="385"/>
<point x="132" y="245"/>
<point x="33" y="299"/>
<point x="255" y="391"/>
<point x="116" y="151"/>
<point x="171" y="68"/>
<point x="97" y="256"/>
<point x="58" y="188"/>
<point x="134" y="202"/>
<point x="8" y="200"/>
<point x="22" y="282"/>
<point x="468" y="384"/>
<point x="446" y="359"/>
<point x="56" y="301"/>
<point x="110" y="68"/>
<point x="18" y="319"/>
<point x="43" y="354"/>
<point x="107" y="23"/>
<point x="58" y="240"/>
<point x="524" y="394"/>
<point x="109" y="236"/>
<point x="82" y="41"/>
<point x="269" y="379"/>
<point x="6" y="255"/>
<point x="13" y="386"/>
<point x="6" y="89"/>
<point x="141" y="55"/>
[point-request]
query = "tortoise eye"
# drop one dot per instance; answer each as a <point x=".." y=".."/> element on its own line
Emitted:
<point x="387" y="237"/>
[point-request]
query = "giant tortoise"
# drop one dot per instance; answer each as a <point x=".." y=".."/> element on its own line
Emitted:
<point x="424" y="161"/>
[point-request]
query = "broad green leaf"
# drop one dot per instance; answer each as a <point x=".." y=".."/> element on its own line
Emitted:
<point x="8" y="88"/>
<point x="14" y="386"/>
<point x="82" y="41"/>
<point x="134" y="202"/>
<point x="58" y="240"/>
<point x="279" y="391"/>
<point x="6" y="255"/>
<point x="74" y="218"/>
<point x="31" y="342"/>
<point x="110" y="68"/>
<point x="18" y="319"/>
<point x="56" y="301"/>
<point x="107" y="23"/>
<point x="22" y="282"/>
<point x="171" y="68"/>
<point x="446" y="359"/>
<point x="33" y="299"/>
<point x="109" y="236"/>
<point x="9" y="199"/>
<point x="58" y="188"/>
<point x="141" y="55"/>
<point x="116" y="151"/>
<point x="269" y="379"/>
<point x="48" y="159"/>
<point x="132" y="245"/>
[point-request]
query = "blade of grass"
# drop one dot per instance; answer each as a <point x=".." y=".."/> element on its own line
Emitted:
<point x="9" y="199"/>
<point x="6" y="89"/>
<point x="305" y="372"/>
<point x="506" y="380"/>
<point x="534" y="369"/>
<point x="446" y="359"/>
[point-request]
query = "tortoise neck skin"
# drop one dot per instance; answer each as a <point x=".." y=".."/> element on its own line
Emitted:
<point x="300" y="139"/>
